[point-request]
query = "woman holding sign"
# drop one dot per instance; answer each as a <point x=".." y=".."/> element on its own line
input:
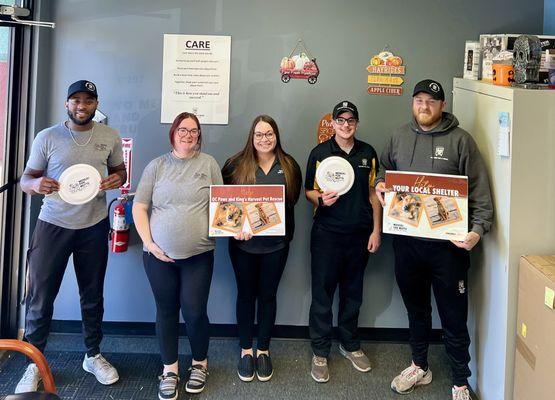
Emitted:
<point x="259" y="261"/>
<point x="178" y="255"/>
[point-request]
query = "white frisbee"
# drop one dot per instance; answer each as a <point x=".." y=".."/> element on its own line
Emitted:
<point x="335" y="174"/>
<point x="79" y="184"/>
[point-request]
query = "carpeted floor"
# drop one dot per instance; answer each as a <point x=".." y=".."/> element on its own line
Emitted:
<point x="139" y="364"/>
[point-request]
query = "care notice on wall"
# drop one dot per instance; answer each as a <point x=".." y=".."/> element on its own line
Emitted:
<point x="195" y="77"/>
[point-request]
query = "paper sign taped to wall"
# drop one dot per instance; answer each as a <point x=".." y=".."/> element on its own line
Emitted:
<point x="196" y="71"/>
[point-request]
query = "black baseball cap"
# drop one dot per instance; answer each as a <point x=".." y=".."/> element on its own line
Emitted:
<point x="431" y="87"/>
<point x="345" y="106"/>
<point x="82" y="86"/>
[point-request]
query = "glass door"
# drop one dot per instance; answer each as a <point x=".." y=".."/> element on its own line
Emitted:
<point x="10" y="62"/>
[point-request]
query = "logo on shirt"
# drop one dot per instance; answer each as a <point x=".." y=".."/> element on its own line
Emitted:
<point x="439" y="153"/>
<point x="364" y="163"/>
<point x="100" y="147"/>
<point x="462" y="289"/>
<point x="280" y="171"/>
<point x="200" y="175"/>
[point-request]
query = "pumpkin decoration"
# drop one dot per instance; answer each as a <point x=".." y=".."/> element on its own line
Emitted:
<point x="287" y="63"/>
<point x="394" y="61"/>
<point x="384" y="56"/>
<point x="309" y="65"/>
<point x="300" y="60"/>
<point x="376" y="61"/>
<point x="299" y="66"/>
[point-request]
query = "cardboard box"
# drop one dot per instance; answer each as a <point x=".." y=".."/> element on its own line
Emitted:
<point x="535" y="336"/>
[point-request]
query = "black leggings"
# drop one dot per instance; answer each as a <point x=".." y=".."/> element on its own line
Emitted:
<point x="257" y="277"/>
<point x="184" y="284"/>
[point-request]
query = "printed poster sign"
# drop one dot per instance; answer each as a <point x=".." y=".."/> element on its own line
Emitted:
<point x="257" y="209"/>
<point x="195" y="78"/>
<point x="127" y="147"/>
<point x="325" y="129"/>
<point x="424" y="205"/>
<point x="382" y="70"/>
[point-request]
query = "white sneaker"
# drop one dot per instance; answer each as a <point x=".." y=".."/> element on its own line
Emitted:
<point x="30" y="380"/>
<point x="409" y="378"/>
<point x="461" y="394"/>
<point x="104" y="372"/>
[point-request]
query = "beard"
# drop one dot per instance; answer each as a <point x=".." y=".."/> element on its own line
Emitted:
<point x="427" y="120"/>
<point x="78" y="121"/>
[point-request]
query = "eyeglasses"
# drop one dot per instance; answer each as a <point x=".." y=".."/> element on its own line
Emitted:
<point x="76" y="102"/>
<point x="350" y="121"/>
<point x="183" y="131"/>
<point x="268" y="135"/>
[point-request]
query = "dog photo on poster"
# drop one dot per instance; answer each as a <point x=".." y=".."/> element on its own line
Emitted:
<point x="256" y="209"/>
<point x="424" y="205"/>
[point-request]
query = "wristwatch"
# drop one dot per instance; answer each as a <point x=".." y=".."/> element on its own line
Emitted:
<point x="320" y="201"/>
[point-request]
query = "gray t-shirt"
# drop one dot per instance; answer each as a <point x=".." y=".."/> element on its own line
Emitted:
<point x="53" y="151"/>
<point x="178" y="193"/>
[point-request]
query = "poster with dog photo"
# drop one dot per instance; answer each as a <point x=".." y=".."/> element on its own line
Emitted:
<point x="257" y="209"/>
<point x="424" y="205"/>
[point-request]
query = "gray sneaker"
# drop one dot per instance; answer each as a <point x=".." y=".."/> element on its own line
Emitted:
<point x="461" y="394"/>
<point x="103" y="371"/>
<point x="357" y="358"/>
<point x="409" y="378"/>
<point x="30" y="380"/>
<point x="319" y="370"/>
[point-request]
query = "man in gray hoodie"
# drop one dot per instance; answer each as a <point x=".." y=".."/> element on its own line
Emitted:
<point x="432" y="142"/>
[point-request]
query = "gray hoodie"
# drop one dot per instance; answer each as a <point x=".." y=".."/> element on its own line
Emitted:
<point x="446" y="149"/>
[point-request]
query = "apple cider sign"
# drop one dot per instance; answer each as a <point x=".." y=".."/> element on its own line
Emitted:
<point x="385" y="74"/>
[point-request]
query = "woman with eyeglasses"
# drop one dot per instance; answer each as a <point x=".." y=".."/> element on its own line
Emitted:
<point x="258" y="262"/>
<point x="171" y="215"/>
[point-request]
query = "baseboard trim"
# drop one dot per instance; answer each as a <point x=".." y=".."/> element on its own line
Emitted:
<point x="394" y="335"/>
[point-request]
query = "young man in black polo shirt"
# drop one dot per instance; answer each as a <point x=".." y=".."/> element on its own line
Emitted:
<point x="346" y="229"/>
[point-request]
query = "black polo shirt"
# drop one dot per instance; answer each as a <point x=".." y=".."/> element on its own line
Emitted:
<point x="267" y="244"/>
<point x="352" y="212"/>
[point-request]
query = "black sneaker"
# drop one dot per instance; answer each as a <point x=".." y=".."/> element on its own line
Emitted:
<point x="167" y="390"/>
<point x="264" y="369"/>
<point x="245" y="368"/>
<point x="197" y="379"/>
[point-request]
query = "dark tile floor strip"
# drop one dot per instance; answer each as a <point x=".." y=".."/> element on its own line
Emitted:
<point x="139" y="364"/>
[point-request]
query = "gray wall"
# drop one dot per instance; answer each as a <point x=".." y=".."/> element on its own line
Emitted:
<point x="549" y="18"/>
<point x="118" y="45"/>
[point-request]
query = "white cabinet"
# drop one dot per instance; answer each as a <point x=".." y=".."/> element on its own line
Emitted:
<point x="523" y="187"/>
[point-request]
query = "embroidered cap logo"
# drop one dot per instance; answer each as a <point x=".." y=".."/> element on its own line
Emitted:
<point x="462" y="289"/>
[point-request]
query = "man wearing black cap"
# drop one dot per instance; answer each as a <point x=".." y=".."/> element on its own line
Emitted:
<point x="432" y="142"/>
<point x="346" y="229"/>
<point x="65" y="229"/>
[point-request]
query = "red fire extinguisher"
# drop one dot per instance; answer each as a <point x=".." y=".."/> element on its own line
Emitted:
<point x="119" y="234"/>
